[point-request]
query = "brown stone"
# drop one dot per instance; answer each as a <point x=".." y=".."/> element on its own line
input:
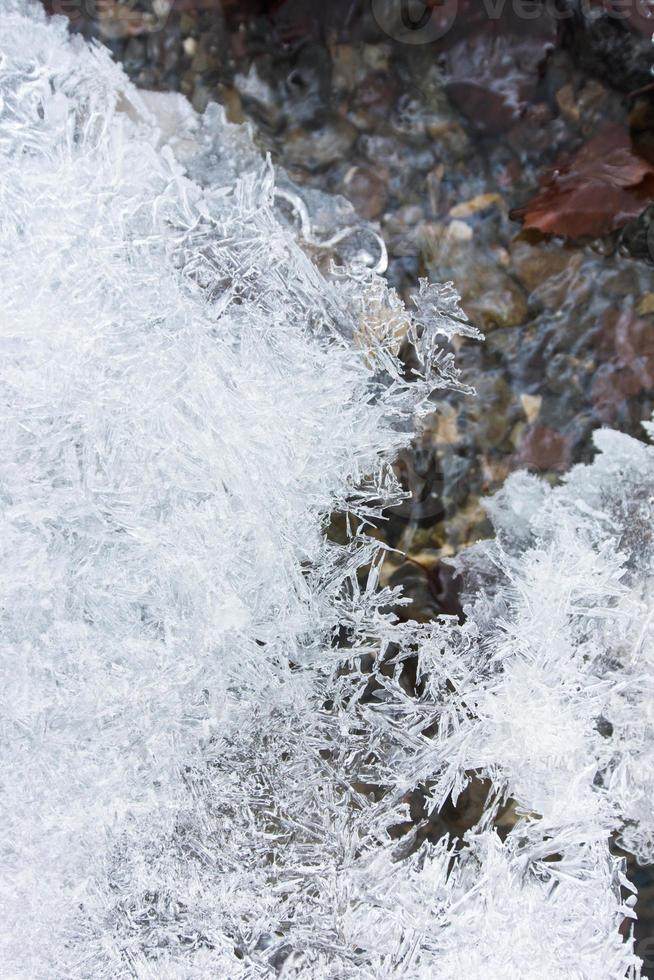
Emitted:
<point x="544" y="449"/>
<point x="367" y="191"/>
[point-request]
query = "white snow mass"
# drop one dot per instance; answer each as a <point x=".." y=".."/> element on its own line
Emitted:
<point x="196" y="782"/>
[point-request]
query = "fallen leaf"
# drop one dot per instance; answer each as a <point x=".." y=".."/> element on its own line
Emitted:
<point x="606" y="184"/>
<point x="475" y="204"/>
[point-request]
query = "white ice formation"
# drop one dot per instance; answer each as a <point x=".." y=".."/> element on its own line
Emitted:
<point x="208" y="740"/>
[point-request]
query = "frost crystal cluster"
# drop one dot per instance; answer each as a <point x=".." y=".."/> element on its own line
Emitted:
<point x="208" y="739"/>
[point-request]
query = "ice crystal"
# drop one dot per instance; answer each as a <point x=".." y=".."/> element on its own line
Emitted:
<point x="546" y="694"/>
<point x="208" y="740"/>
<point x="185" y="401"/>
<point x="568" y="635"/>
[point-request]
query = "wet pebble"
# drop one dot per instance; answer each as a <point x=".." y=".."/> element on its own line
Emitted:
<point x="543" y="449"/>
<point x="315" y="150"/>
<point x="366" y="190"/>
<point x="491" y="298"/>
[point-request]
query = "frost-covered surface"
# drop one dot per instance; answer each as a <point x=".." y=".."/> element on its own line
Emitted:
<point x="566" y="713"/>
<point x="547" y="692"/>
<point x="196" y="780"/>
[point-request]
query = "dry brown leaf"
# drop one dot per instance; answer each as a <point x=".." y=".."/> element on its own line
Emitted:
<point x="606" y="184"/>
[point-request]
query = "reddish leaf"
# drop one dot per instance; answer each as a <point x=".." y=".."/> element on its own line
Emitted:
<point x="607" y="184"/>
